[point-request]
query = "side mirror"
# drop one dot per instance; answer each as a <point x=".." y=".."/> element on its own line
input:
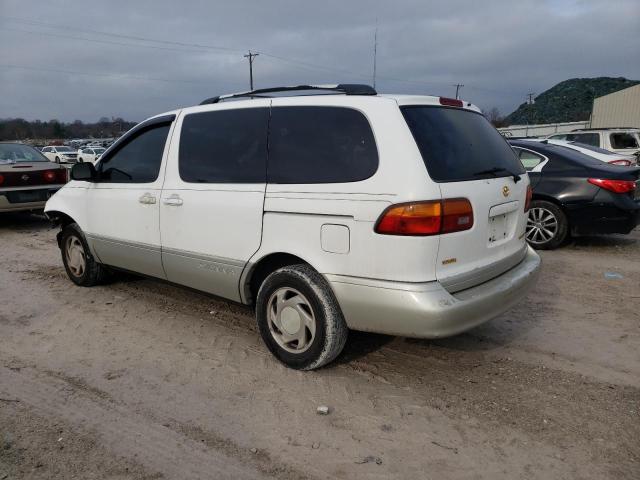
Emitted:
<point x="84" y="171"/>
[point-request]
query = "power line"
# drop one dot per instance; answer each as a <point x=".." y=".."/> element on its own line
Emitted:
<point x="251" y="57"/>
<point x="95" y="74"/>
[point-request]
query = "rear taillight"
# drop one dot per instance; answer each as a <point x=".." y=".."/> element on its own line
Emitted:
<point x="1" y="179"/>
<point x="49" y="176"/>
<point x="450" y="102"/>
<point x="624" y="163"/>
<point x="527" y="202"/>
<point x="426" y="218"/>
<point x="63" y="175"/>
<point x="616" y="186"/>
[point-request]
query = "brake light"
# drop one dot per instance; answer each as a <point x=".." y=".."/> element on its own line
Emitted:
<point x="615" y="186"/>
<point x="1" y="179"/>
<point x="450" y="102"/>
<point x="625" y="163"/>
<point x="426" y="218"/>
<point x="527" y="202"/>
<point x="49" y="176"/>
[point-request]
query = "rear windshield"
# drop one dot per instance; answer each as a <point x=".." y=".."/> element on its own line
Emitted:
<point x="623" y="140"/>
<point x="17" y="153"/>
<point x="459" y="145"/>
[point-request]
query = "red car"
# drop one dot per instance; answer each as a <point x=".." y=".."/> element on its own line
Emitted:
<point x="27" y="178"/>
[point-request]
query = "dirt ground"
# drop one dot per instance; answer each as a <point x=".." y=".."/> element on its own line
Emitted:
<point x="143" y="380"/>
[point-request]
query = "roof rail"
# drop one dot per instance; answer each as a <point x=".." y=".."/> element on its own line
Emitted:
<point x="345" y="88"/>
<point x="603" y="128"/>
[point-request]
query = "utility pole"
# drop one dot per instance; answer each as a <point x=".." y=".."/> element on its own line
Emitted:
<point x="530" y="95"/>
<point x="375" y="53"/>
<point x="458" y="87"/>
<point x="251" y="56"/>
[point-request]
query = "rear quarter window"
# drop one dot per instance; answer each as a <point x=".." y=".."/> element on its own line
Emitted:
<point x="320" y="145"/>
<point x="457" y="144"/>
<point x="623" y="140"/>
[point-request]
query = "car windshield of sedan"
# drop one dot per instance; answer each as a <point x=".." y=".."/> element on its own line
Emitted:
<point x="63" y="149"/>
<point x="17" y="153"/>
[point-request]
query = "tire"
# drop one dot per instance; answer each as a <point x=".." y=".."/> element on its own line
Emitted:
<point x="57" y="159"/>
<point x="547" y="225"/>
<point x="298" y="296"/>
<point x="81" y="267"/>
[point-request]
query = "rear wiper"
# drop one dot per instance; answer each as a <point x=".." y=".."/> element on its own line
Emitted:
<point x="494" y="171"/>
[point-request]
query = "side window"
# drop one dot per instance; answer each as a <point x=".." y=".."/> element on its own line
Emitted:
<point x="46" y="150"/>
<point x="586" y="138"/>
<point x="224" y="146"/>
<point x="138" y="160"/>
<point x="529" y="159"/>
<point x="320" y="145"/>
<point x="623" y="140"/>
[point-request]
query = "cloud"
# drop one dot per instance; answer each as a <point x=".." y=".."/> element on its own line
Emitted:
<point x="499" y="50"/>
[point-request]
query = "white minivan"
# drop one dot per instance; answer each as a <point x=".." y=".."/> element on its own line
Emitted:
<point x="402" y="215"/>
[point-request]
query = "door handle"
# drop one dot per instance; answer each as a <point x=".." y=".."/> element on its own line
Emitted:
<point x="147" y="199"/>
<point x="172" y="200"/>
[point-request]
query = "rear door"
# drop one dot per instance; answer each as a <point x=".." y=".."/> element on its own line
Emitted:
<point x="469" y="159"/>
<point x="213" y="196"/>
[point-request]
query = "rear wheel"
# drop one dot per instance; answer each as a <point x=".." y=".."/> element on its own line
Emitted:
<point x="547" y="225"/>
<point x="80" y="265"/>
<point x="299" y="318"/>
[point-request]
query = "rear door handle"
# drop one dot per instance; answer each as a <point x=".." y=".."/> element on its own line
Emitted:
<point x="147" y="199"/>
<point x="172" y="200"/>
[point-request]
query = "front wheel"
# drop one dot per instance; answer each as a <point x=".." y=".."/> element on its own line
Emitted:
<point x="57" y="159"/>
<point x="299" y="318"/>
<point x="547" y="225"/>
<point x="80" y="265"/>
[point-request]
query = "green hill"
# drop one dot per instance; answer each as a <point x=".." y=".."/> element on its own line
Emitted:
<point x="568" y="101"/>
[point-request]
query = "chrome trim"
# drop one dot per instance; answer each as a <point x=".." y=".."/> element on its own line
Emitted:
<point x="480" y="275"/>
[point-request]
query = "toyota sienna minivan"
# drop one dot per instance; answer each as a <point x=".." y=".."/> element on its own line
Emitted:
<point x="325" y="208"/>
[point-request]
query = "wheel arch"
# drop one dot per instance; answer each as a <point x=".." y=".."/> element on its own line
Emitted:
<point x="256" y="271"/>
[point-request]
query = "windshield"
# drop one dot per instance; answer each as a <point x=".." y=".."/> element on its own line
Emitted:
<point x="18" y="153"/>
<point x="63" y="149"/>
<point x="459" y="145"/>
<point x="99" y="150"/>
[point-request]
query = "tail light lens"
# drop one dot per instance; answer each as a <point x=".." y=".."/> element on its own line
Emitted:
<point x="426" y="218"/>
<point x="527" y="202"/>
<point x="1" y="179"/>
<point x="615" y="186"/>
<point x="49" y="176"/>
<point x="625" y="163"/>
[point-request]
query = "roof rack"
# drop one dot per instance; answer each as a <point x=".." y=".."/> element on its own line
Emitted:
<point x="345" y="88"/>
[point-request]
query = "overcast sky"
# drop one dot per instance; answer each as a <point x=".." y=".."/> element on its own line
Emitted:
<point x="86" y="59"/>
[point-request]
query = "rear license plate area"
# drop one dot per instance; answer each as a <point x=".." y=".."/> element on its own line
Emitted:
<point x="27" y="196"/>
<point x="498" y="228"/>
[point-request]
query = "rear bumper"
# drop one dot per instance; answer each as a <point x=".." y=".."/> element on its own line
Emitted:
<point x="608" y="213"/>
<point x="9" y="202"/>
<point x="427" y="310"/>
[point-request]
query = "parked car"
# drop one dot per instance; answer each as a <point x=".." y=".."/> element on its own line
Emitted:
<point x="575" y="194"/>
<point x="402" y="215"/>
<point x="596" y="152"/>
<point x="60" y="154"/>
<point x="90" y="154"/>
<point x="27" y="178"/>
<point x="618" y="140"/>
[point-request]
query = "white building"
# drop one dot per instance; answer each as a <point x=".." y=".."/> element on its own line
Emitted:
<point x="618" y="109"/>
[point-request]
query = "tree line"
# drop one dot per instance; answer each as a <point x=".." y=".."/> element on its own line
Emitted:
<point x="21" y="129"/>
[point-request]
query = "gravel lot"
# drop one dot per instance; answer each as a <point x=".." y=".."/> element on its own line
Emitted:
<point x="142" y="380"/>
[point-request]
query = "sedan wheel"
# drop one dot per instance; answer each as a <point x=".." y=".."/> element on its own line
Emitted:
<point x="542" y="226"/>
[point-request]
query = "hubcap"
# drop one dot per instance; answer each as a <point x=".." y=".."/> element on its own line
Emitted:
<point x="74" y="252"/>
<point x="291" y="320"/>
<point x="542" y="226"/>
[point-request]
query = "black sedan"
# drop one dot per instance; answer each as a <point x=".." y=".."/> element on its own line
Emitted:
<point x="574" y="194"/>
